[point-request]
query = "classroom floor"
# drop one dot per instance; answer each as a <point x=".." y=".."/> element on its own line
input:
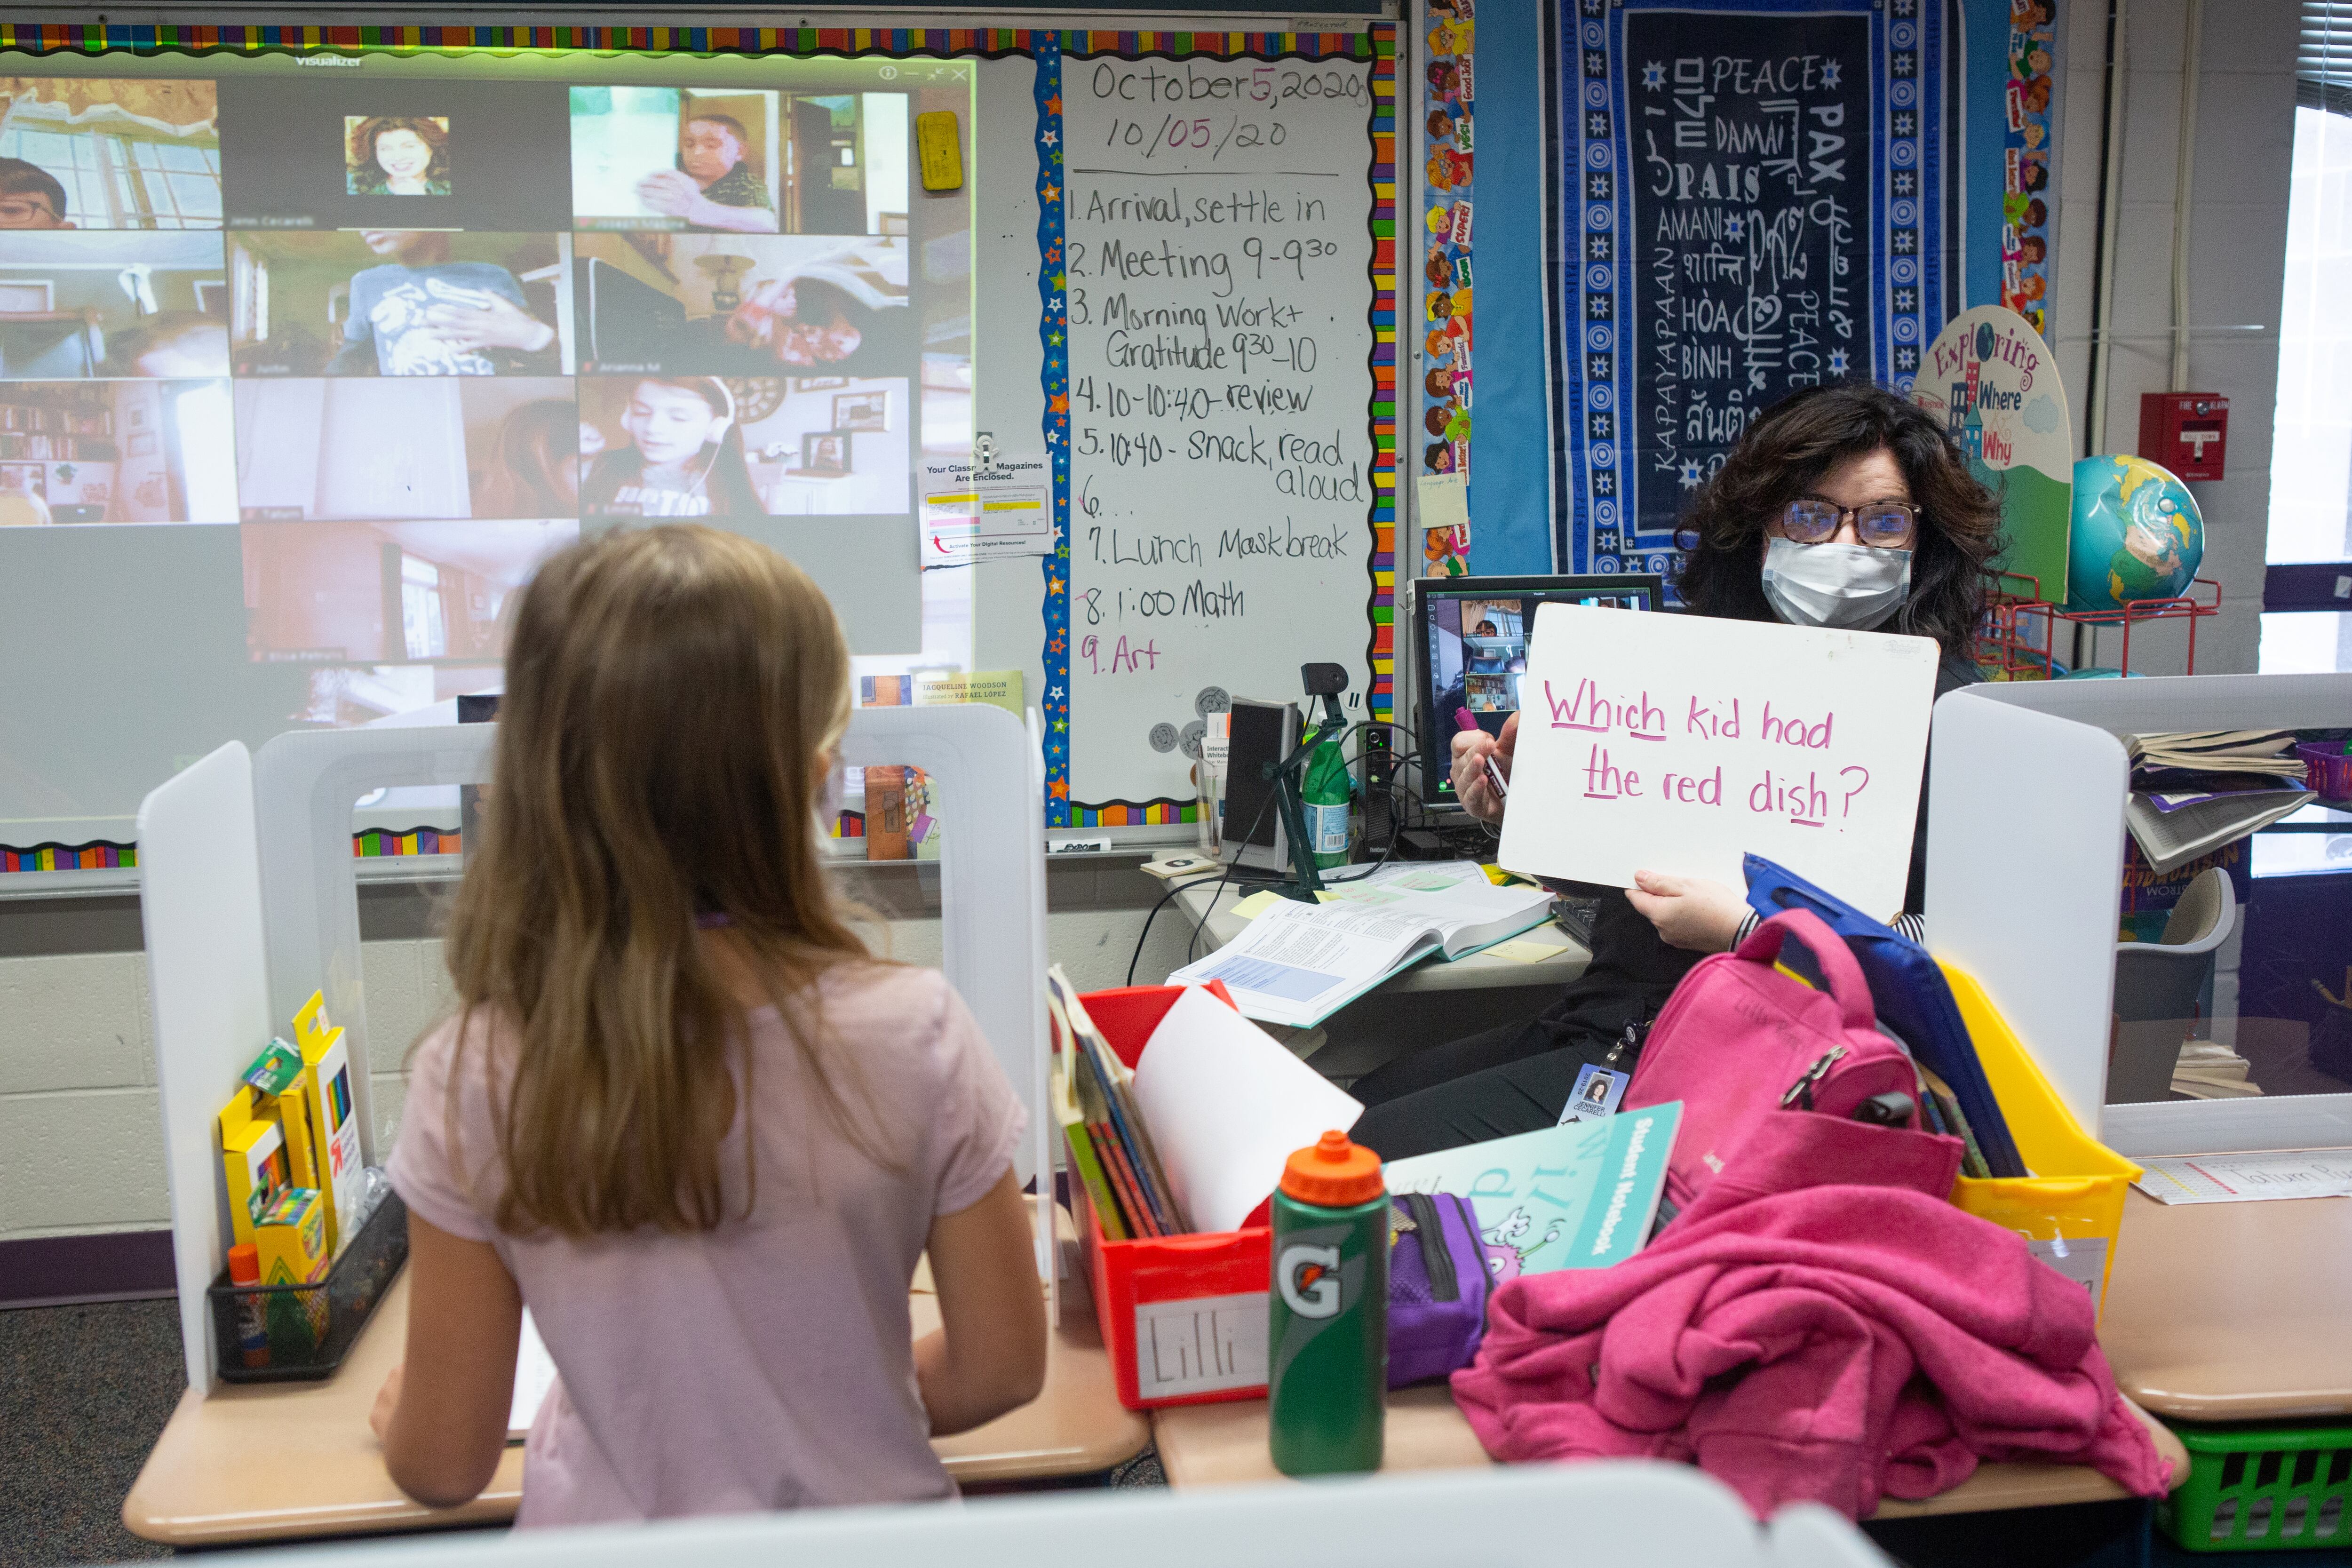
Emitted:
<point x="72" y="1436"/>
<point x="71" y="1441"/>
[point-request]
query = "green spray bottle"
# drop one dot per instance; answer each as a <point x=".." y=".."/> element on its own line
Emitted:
<point x="1328" y="1337"/>
<point x="1327" y="792"/>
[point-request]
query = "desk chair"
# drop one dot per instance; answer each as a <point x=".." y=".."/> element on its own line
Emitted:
<point x="1532" y="1516"/>
<point x="2157" y="988"/>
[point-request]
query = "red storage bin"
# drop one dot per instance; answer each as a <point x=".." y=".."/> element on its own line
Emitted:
<point x="1184" y="1318"/>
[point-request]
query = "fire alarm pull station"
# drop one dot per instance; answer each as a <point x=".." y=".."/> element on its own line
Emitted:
<point x="2187" y="432"/>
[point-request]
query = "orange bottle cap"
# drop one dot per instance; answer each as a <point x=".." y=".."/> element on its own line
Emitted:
<point x="245" y="1264"/>
<point x="1334" y="1174"/>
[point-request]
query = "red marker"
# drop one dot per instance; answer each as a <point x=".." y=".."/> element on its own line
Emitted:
<point x="1463" y="720"/>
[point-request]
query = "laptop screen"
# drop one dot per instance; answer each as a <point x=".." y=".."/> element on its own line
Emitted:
<point x="1471" y="648"/>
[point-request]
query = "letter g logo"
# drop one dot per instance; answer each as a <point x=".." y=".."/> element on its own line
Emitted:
<point x="1308" y="1278"/>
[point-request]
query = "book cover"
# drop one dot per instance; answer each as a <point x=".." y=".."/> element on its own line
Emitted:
<point x="1083" y="1159"/>
<point x="1140" y="1218"/>
<point x="886" y="815"/>
<point x="1582" y="1195"/>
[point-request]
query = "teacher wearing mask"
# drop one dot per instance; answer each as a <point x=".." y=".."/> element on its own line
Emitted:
<point x="1843" y="506"/>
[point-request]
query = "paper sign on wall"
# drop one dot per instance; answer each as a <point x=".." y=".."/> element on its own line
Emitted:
<point x="1994" y="382"/>
<point x="1679" y="743"/>
<point x="991" y="505"/>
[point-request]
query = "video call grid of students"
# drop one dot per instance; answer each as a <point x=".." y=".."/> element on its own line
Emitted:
<point x="663" y="267"/>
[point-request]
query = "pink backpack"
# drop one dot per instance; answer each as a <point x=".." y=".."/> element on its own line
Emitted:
<point x="1739" y="1040"/>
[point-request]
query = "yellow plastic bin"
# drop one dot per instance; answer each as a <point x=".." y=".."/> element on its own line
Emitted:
<point x="2072" y="1208"/>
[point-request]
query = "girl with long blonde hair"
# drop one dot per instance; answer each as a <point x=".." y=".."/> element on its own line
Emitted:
<point x="680" y="1112"/>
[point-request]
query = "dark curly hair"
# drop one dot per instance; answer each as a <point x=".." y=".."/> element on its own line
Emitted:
<point x="430" y="132"/>
<point x="1785" y="453"/>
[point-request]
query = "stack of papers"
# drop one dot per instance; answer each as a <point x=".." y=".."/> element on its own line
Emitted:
<point x="1298" y="964"/>
<point x="2210" y="1071"/>
<point x="2193" y="793"/>
<point x="2246" y="1178"/>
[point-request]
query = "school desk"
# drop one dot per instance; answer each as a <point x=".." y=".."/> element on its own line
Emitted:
<point x="259" y="1462"/>
<point x="2233" y="1312"/>
<point x="1225" y="1445"/>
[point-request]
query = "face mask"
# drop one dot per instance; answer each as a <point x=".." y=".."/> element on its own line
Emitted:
<point x="1853" y="588"/>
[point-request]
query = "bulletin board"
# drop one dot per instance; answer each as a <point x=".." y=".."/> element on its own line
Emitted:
<point x="1288" y="514"/>
<point x="1673" y="306"/>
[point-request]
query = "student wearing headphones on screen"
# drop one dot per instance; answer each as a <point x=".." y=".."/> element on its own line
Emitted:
<point x="685" y="458"/>
<point x="1842" y="506"/>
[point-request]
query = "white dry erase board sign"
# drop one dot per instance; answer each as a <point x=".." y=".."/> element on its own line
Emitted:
<point x="1680" y="743"/>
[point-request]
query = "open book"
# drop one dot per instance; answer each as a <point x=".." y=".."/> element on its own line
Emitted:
<point x="1298" y="964"/>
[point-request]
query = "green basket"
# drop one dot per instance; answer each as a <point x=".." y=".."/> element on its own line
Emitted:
<point x="2261" y="1489"/>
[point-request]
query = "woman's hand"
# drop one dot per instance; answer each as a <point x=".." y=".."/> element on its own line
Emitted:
<point x="500" y="324"/>
<point x="1690" y="913"/>
<point x="1471" y="785"/>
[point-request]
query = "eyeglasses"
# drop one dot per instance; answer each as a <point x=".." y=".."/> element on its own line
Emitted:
<point x="16" y="212"/>
<point x="1881" y="524"/>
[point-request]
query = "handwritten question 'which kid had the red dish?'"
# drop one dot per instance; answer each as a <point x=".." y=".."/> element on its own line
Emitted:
<point x="1680" y="743"/>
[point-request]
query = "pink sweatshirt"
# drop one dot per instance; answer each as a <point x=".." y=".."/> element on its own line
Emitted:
<point x="1820" y="1324"/>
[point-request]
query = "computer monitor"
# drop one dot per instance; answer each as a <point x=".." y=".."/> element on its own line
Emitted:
<point x="1469" y="638"/>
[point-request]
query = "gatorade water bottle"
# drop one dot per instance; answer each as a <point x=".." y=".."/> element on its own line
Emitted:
<point x="1325" y="792"/>
<point x="1328" y="1339"/>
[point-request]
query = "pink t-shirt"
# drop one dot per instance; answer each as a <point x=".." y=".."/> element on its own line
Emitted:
<point x="768" y="1363"/>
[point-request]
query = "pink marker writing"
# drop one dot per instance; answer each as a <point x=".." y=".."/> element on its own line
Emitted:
<point x="1463" y="720"/>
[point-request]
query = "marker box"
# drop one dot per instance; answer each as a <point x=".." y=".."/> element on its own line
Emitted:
<point x="253" y="1161"/>
<point x="333" y="1117"/>
<point x="290" y="1239"/>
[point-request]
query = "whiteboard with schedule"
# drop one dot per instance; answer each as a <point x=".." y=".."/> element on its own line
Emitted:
<point x="1223" y="461"/>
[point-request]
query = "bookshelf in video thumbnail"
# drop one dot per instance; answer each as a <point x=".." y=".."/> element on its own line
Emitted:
<point x="409" y="331"/>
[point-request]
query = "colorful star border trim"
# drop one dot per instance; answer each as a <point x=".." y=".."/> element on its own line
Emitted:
<point x="83" y="37"/>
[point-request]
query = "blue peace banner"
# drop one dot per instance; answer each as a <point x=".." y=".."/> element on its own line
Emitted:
<point x="1749" y="200"/>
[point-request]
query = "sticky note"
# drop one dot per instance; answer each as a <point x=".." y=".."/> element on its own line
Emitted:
<point x="1523" y="950"/>
<point x="1444" y="502"/>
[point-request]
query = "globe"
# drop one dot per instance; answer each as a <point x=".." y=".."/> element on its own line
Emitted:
<point x="2136" y="534"/>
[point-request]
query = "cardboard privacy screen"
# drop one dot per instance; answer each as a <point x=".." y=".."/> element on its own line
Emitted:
<point x="1678" y="742"/>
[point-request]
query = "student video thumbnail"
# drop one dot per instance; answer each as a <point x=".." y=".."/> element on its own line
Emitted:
<point x="387" y="592"/>
<point x="728" y="305"/>
<point x="736" y="162"/>
<point x="1478" y="650"/>
<point x="743" y="447"/>
<point x="362" y="153"/>
<point x="105" y="153"/>
<point x="406" y="448"/>
<point x="116" y="451"/>
<point x="112" y="304"/>
<point x="400" y="303"/>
